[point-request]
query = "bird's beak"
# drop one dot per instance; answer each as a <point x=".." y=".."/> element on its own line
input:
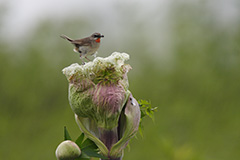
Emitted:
<point x="102" y="36"/>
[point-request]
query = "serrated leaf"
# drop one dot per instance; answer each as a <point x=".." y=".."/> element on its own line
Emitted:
<point x="147" y="109"/>
<point x="79" y="140"/>
<point x="66" y="134"/>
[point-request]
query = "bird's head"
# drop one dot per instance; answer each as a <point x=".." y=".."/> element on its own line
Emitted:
<point x="97" y="37"/>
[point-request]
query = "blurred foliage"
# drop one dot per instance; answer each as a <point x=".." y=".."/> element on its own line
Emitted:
<point x="197" y="90"/>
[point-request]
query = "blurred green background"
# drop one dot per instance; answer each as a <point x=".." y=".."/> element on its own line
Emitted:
<point x="185" y="57"/>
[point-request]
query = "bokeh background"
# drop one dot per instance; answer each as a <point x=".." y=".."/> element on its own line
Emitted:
<point x="185" y="56"/>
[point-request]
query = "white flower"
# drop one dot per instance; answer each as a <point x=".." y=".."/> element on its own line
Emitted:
<point x="116" y="59"/>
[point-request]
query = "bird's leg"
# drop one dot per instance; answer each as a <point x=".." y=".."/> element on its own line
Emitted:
<point x="82" y="60"/>
<point x="87" y="59"/>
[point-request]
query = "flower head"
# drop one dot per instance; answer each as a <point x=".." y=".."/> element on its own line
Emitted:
<point x="102" y="103"/>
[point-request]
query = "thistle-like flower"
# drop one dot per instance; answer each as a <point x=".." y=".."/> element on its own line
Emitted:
<point x="104" y="108"/>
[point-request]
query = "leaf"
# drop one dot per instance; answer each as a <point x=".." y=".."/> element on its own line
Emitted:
<point x="83" y="156"/>
<point x="88" y="147"/>
<point x="89" y="144"/>
<point x="140" y="129"/>
<point x="146" y="110"/>
<point x="66" y="134"/>
<point x="80" y="158"/>
<point x="93" y="153"/>
<point x="79" y="140"/>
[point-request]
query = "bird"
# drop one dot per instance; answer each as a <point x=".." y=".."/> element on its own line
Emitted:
<point x="86" y="46"/>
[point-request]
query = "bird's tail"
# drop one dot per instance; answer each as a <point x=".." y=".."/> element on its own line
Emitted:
<point x="66" y="37"/>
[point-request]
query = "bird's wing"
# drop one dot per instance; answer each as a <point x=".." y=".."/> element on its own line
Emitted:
<point x="81" y="42"/>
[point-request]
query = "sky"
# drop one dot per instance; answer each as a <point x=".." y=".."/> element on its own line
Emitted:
<point x="26" y="14"/>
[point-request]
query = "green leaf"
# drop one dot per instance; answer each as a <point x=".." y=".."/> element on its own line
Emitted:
<point x="146" y="110"/>
<point x="83" y="156"/>
<point x="88" y="147"/>
<point x="89" y="144"/>
<point x="140" y="129"/>
<point x="79" y="140"/>
<point x="93" y="153"/>
<point x="66" y="134"/>
<point x="80" y="158"/>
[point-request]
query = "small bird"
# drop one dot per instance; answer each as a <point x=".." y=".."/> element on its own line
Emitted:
<point x="86" y="46"/>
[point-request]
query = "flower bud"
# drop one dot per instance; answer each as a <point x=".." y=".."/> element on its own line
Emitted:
<point x="102" y="103"/>
<point x="67" y="150"/>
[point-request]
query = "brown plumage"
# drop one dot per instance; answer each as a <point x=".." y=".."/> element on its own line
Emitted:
<point x="86" y="46"/>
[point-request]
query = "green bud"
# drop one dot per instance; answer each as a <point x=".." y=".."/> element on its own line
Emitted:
<point x="67" y="150"/>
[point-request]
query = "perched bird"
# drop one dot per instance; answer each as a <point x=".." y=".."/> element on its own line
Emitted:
<point x="86" y="46"/>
